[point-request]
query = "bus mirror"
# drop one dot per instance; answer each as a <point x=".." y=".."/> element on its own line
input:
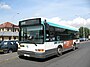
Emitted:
<point x="46" y="25"/>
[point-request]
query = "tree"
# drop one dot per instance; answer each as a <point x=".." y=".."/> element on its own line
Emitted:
<point x="84" y="32"/>
<point x="81" y="32"/>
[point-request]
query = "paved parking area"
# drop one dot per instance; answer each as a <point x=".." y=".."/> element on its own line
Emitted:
<point x="8" y="56"/>
<point x="77" y="58"/>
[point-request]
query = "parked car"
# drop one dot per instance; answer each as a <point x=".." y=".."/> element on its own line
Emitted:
<point x="8" y="46"/>
<point x="83" y="39"/>
<point x="0" y="41"/>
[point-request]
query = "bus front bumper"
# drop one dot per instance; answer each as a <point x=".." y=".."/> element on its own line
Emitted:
<point x="30" y="54"/>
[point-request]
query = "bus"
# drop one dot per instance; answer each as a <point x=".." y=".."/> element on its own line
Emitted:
<point x="41" y="39"/>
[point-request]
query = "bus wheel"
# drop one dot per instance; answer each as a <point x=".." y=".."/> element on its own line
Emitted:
<point x="74" y="47"/>
<point x="59" y="51"/>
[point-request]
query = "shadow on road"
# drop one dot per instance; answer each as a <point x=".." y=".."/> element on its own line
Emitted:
<point x="1" y="53"/>
<point x="43" y="60"/>
<point x="37" y="59"/>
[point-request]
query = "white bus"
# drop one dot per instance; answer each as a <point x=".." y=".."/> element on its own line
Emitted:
<point x="42" y="39"/>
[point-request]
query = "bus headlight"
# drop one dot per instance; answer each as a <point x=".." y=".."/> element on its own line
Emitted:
<point x="39" y="50"/>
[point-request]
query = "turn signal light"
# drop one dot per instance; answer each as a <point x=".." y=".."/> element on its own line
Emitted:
<point x="40" y="50"/>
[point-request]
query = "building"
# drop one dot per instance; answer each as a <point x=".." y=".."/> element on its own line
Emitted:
<point x="9" y="31"/>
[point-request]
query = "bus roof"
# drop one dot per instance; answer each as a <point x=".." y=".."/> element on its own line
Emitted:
<point x="62" y="26"/>
<point x="57" y="25"/>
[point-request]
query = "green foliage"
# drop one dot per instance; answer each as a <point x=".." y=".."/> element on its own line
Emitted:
<point x="84" y="32"/>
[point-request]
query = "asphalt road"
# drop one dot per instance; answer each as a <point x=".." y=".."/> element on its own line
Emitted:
<point x="77" y="58"/>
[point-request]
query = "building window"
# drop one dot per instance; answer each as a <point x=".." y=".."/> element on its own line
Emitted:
<point x="15" y="30"/>
<point x="14" y="38"/>
<point x="2" y="29"/>
<point x="10" y="38"/>
<point x="7" y="29"/>
<point x="2" y="38"/>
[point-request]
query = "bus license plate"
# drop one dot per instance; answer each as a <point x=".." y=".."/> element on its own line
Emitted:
<point x="27" y="55"/>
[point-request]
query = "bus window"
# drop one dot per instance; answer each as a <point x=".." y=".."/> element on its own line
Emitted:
<point x="33" y="33"/>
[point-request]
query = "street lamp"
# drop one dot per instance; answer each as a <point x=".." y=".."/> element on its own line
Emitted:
<point x="14" y="16"/>
<point x="13" y="26"/>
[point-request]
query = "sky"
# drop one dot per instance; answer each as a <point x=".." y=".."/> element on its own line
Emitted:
<point x="67" y="12"/>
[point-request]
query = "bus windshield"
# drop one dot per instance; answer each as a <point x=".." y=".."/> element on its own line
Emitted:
<point x="32" y="34"/>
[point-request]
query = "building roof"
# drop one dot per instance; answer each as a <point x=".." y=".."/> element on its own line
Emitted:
<point x="8" y="25"/>
<point x="9" y="33"/>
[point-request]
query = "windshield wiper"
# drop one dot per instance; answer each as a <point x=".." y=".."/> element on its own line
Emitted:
<point x="34" y="43"/>
<point x="29" y="41"/>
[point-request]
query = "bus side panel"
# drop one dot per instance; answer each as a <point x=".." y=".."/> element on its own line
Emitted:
<point x="50" y="48"/>
<point x="68" y="44"/>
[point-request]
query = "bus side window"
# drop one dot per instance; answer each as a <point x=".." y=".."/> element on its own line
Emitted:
<point x="47" y="36"/>
<point x="52" y="38"/>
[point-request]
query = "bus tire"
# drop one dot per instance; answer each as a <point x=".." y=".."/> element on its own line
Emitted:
<point x="77" y="46"/>
<point x="74" y="47"/>
<point x="59" y="51"/>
